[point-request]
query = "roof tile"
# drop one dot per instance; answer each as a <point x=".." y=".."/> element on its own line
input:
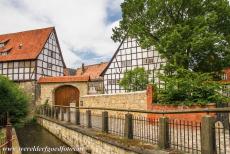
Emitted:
<point x="32" y="43"/>
<point x="63" y="79"/>
<point x="94" y="71"/>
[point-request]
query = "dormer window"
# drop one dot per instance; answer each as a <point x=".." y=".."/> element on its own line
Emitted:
<point x="4" y="53"/>
<point x="2" y="45"/>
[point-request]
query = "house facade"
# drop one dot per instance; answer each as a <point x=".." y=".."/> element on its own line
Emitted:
<point x="26" y="56"/>
<point x="95" y="85"/>
<point x="128" y="56"/>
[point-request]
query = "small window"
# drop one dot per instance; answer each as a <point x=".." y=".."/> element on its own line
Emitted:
<point x="53" y="55"/>
<point x="111" y="81"/>
<point x="145" y="61"/>
<point x="10" y="65"/>
<point x="126" y="63"/>
<point x="21" y="64"/>
<point x="123" y="64"/>
<point x="49" y="65"/>
<point x="151" y="60"/>
<point x="50" y="53"/>
<point x="129" y="63"/>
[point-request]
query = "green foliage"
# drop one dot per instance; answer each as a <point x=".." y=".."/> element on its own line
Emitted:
<point x="188" y="87"/>
<point x="135" y="80"/>
<point x="13" y="100"/>
<point x="191" y="34"/>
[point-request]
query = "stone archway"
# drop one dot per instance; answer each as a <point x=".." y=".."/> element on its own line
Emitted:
<point x="66" y="94"/>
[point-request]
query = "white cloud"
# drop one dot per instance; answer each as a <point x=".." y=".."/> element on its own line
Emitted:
<point x="81" y="24"/>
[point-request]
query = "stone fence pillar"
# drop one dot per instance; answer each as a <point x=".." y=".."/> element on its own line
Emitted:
<point x="105" y="122"/>
<point x="208" y="145"/>
<point x="163" y="133"/>
<point x="88" y="119"/>
<point x="128" y="132"/>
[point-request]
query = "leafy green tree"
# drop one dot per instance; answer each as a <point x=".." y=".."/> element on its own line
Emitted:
<point x="13" y="100"/>
<point x="188" y="87"/>
<point x="192" y="34"/>
<point x="135" y="80"/>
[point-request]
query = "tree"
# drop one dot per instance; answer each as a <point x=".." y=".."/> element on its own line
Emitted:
<point x="135" y="80"/>
<point x="12" y="100"/>
<point x="193" y="34"/>
<point x="188" y="87"/>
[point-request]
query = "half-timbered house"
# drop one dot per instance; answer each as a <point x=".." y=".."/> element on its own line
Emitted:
<point x="95" y="85"/>
<point x="28" y="55"/>
<point x="128" y="56"/>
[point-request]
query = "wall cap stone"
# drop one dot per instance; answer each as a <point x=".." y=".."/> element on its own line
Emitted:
<point x="114" y="94"/>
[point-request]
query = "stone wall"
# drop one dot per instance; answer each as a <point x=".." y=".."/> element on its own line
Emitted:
<point x="87" y="140"/>
<point x="48" y="89"/>
<point x="132" y="100"/>
<point x="31" y="89"/>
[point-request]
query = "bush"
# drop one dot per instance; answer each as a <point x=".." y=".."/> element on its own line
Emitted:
<point x="187" y="87"/>
<point x="135" y="80"/>
<point x="13" y="100"/>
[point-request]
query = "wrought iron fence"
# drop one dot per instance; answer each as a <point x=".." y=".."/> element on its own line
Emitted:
<point x="222" y="138"/>
<point x="146" y="129"/>
<point x="96" y="121"/>
<point x="185" y="136"/>
<point x="116" y="125"/>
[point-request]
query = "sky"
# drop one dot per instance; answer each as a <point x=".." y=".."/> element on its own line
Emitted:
<point x="84" y="27"/>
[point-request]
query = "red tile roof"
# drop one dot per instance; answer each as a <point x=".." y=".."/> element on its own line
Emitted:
<point x="93" y="71"/>
<point x="32" y="43"/>
<point x="63" y="79"/>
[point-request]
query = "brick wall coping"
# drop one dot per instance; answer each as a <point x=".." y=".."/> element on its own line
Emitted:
<point x="176" y="105"/>
<point x="114" y="94"/>
<point x="94" y="135"/>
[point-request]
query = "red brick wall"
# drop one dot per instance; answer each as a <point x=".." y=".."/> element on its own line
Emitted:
<point x="227" y="71"/>
<point x="195" y="117"/>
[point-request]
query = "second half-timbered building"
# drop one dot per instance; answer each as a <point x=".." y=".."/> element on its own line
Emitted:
<point x="128" y="56"/>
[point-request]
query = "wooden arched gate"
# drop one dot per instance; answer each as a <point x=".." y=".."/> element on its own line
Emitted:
<point x="67" y="94"/>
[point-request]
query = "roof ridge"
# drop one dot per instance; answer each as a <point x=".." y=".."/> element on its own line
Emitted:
<point x="93" y="64"/>
<point x="31" y="30"/>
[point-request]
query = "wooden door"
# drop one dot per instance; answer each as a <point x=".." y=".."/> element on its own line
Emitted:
<point x="65" y="95"/>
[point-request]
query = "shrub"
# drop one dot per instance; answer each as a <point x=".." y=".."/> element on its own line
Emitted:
<point x="135" y="80"/>
<point x="187" y="87"/>
<point x="13" y="100"/>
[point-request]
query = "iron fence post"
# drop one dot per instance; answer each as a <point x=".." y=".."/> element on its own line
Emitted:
<point x="88" y="119"/>
<point x="62" y="113"/>
<point x="163" y="133"/>
<point x="105" y="122"/>
<point x="208" y="144"/>
<point x="77" y="117"/>
<point x="68" y="115"/>
<point x="43" y="110"/>
<point x="56" y="112"/>
<point x="128" y="132"/>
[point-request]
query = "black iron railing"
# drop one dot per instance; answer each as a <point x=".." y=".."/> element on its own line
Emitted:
<point x="5" y="134"/>
<point x="185" y="136"/>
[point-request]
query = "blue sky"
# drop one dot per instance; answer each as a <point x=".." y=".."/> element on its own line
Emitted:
<point x="84" y="27"/>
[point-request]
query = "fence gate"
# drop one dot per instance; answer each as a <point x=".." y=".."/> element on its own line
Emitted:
<point x="223" y="117"/>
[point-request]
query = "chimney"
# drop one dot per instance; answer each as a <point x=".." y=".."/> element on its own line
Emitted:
<point x="83" y="68"/>
<point x="20" y="46"/>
